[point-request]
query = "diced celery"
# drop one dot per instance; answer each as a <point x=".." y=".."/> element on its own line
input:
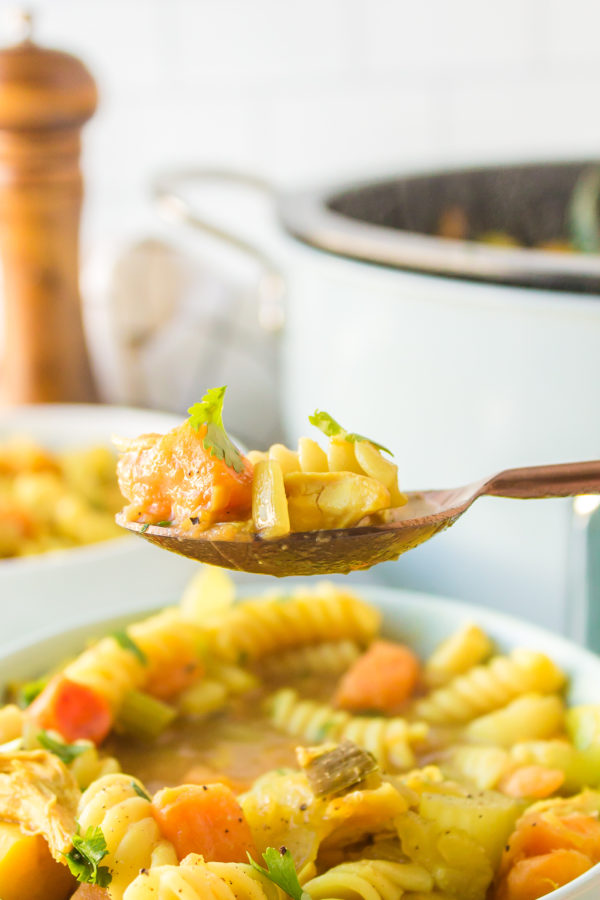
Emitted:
<point x="583" y="726"/>
<point x="203" y="698"/>
<point x="143" y="716"/>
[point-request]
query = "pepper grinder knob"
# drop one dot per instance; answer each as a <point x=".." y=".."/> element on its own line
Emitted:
<point x="45" y="98"/>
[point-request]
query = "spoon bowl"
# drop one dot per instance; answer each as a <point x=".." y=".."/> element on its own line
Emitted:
<point x="375" y="539"/>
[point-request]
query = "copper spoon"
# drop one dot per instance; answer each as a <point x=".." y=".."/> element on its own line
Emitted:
<point x="374" y="539"/>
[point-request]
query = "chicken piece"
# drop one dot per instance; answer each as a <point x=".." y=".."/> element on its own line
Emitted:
<point x="362" y="812"/>
<point x="38" y="792"/>
<point x="173" y="477"/>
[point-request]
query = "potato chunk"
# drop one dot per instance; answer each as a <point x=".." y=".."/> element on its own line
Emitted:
<point x="27" y="870"/>
<point x="487" y="817"/>
<point x="332" y="499"/>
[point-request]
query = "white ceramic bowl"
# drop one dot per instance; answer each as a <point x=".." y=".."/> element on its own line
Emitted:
<point x="419" y="619"/>
<point x="108" y="576"/>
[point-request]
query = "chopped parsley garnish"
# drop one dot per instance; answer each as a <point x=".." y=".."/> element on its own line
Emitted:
<point x="29" y="691"/>
<point x="127" y="643"/>
<point x="327" y="424"/>
<point x="65" y="752"/>
<point x="166" y="523"/>
<point x="209" y="412"/>
<point x="140" y="791"/>
<point x="323" y="730"/>
<point x="83" y="860"/>
<point x="145" y="527"/>
<point x="281" y="871"/>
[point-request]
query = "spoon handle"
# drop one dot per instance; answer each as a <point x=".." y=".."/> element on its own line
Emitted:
<point x="564" y="480"/>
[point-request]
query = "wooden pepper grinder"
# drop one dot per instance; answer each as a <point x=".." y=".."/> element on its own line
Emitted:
<point x="45" y="97"/>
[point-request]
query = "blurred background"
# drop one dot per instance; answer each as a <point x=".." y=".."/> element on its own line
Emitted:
<point x="342" y="91"/>
<point x="321" y="89"/>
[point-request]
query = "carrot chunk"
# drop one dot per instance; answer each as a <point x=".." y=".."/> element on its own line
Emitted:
<point x="539" y="875"/>
<point x="72" y="709"/>
<point x="204" y="819"/>
<point x="381" y="679"/>
<point x="172" y="675"/>
<point x="541" y="833"/>
<point x="532" y="781"/>
<point x="90" y="892"/>
<point x="174" y="477"/>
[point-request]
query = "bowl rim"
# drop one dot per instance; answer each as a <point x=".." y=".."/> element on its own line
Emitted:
<point x="389" y="600"/>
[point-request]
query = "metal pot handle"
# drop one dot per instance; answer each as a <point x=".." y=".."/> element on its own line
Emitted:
<point x="169" y="192"/>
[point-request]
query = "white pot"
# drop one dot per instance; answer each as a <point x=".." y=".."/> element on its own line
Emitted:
<point x="462" y="379"/>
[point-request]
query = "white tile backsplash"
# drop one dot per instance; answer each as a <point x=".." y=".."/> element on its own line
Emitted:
<point x="305" y="90"/>
<point x="441" y="38"/>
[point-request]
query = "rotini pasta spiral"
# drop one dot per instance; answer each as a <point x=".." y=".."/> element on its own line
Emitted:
<point x="133" y="839"/>
<point x="369" y="879"/>
<point x="108" y="669"/>
<point x="255" y="628"/>
<point x="529" y="717"/>
<point x="11" y="723"/>
<point x="489" y="687"/>
<point x="482" y="766"/>
<point x="427" y="895"/>
<point x="389" y="740"/>
<point x="464" y="649"/>
<point x="328" y="658"/>
<point x="112" y="670"/>
<point x="214" y="692"/>
<point x="90" y="765"/>
<point x="168" y="641"/>
<point x="195" y="879"/>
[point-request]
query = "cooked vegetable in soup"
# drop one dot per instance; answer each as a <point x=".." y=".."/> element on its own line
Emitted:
<point x="53" y="501"/>
<point x="195" y="479"/>
<point x="281" y="747"/>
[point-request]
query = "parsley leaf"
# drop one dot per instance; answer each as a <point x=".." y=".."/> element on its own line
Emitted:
<point x="65" y="752"/>
<point x="327" y="424"/>
<point x="281" y="871"/>
<point x="127" y="643"/>
<point x="140" y="791"/>
<point x="323" y="730"/>
<point x="87" y="852"/>
<point x="166" y="523"/>
<point x="210" y="413"/>
<point x="145" y="527"/>
<point x="29" y="691"/>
